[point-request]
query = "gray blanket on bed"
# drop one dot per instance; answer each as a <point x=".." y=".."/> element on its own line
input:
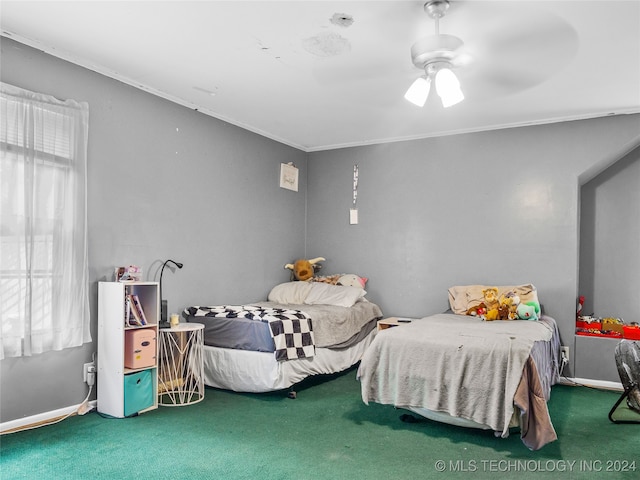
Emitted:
<point x="334" y="325"/>
<point x="449" y="363"/>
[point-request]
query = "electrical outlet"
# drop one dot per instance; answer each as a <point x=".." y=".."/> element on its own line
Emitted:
<point x="565" y="351"/>
<point x="88" y="367"/>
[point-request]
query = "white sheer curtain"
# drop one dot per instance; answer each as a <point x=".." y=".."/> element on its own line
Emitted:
<point x="44" y="297"/>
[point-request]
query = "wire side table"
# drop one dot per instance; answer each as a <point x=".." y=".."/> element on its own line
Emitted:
<point x="180" y="378"/>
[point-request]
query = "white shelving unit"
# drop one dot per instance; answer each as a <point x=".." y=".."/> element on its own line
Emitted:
<point x="123" y="391"/>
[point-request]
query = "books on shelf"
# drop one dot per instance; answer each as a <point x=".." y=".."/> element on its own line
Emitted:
<point x="128" y="320"/>
<point x="131" y="319"/>
<point x="135" y="313"/>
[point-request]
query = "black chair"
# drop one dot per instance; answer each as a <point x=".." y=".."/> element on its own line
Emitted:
<point x="627" y="355"/>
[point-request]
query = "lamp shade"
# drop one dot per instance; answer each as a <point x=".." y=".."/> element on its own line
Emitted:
<point x="419" y="91"/>
<point x="448" y="87"/>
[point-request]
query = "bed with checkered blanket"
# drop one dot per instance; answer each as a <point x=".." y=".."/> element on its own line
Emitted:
<point x="272" y="345"/>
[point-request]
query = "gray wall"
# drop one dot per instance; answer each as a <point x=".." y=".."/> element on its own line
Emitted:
<point x="497" y="207"/>
<point x="164" y="182"/>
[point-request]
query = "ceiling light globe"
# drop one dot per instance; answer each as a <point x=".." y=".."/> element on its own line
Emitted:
<point x="448" y="87"/>
<point x="419" y="91"/>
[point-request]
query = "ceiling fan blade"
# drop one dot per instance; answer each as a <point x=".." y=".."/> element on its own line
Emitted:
<point x="502" y="58"/>
<point x="525" y="53"/>
<point x="491" y="84"/>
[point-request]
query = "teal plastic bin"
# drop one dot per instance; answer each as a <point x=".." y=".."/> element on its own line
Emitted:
<point x="138" y="392"/>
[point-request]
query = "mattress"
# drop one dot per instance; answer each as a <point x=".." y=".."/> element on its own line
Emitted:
<point x="259" y="372"/>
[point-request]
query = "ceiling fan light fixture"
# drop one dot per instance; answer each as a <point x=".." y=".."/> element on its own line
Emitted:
<point x="433" y="48"/>
<point x="435" y="54"/>
<point x="448" y="87"/>
<point x="419" y="91"/>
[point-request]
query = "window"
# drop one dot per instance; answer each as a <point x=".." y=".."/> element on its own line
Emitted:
<point x="43" y="229"/>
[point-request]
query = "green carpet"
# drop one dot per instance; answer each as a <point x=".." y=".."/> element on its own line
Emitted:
<point x="326" y="433"/>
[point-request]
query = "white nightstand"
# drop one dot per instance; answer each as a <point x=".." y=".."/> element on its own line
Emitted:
<point x="180" y="378"/>
<point x="392" y="322"/>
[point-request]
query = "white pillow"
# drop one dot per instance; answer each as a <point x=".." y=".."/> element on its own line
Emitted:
<point x="290" y="293"/>
<point x="338" y="295"/>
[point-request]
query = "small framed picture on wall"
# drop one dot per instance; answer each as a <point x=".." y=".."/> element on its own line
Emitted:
<point x="289" y="176"/>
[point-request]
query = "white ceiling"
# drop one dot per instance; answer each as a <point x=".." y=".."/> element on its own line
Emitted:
<point x="300" y="74"/>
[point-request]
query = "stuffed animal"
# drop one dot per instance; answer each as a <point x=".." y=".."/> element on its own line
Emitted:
<point x="508" y="306"/>
<point x="529" y="311"/>
<point x="490" y="297"/>
<point x="503" y="312"/>
<point x="352" y="280"/>
<point x="513" y="308"/>
<point x="330" y="279"/>
<point x="304" y="270"/>
<point x="479" y="311"/>
<point x="491" y="301"/>
<point x="346" y="280"/>
<point x="492" y="314"/>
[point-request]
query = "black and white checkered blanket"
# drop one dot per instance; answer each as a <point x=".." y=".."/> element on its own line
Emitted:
<point x="292" y="330"/>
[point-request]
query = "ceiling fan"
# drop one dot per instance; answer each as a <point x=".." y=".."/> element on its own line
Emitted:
<point x="508" y="47"/>
<point x="509" y="57"/>
<point x="435" y="55"/>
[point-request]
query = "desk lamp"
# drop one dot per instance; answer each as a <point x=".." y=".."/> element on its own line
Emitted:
<point x="163" y="303"/>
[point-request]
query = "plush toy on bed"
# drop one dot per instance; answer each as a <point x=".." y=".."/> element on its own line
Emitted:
<point x="504" y="308"/>
<point x="352" y="280"/>
<point x="346" y="280"/>
<point x="479" y="311"/>
<point x="513" y="306"/>
<point x="508" y="309"/>
<point x="304" y="270"/>
<point x="529" y="311"/>
<point x="491" y="301"/>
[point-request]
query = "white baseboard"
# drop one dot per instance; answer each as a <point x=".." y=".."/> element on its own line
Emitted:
<point x="41" y="419"/>
<point x="592" y="383"/>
